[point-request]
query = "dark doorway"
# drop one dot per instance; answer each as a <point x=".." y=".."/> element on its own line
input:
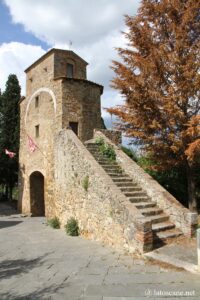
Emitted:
<point x="74" y="127"/>
<point x="37" y="194"/>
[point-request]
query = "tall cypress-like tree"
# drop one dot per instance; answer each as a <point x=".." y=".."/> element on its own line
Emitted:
<point x="159" y="77"/>
<point x="9" y="128"/>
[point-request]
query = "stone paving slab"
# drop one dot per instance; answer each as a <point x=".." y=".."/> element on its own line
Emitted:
<point x="38" y="262"/>
<point x="182" y="254"/>
<point x="143" y="290"/>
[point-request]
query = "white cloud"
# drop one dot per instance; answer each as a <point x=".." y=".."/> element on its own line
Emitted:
<point x="94" y="27"/>
<point x="82" y="21"/>
<point x="15" y="58"/>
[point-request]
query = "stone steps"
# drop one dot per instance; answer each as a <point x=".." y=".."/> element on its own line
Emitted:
<point x="105" y="165"/>
<point x="135" y="194"/>
<point x="127" y="189"/>
<point x="158" y="218"/>
<point x="122" y="180"/>
<point x="138" y="199"/>
<point x="166" y="235"/>
<point x="126" y="184"/>
<point x="162" y="228"/>
<point x="140" y="204"/>
<point x="151" y="211"/>
<point x="115" y="175"/>
<point x="113" y="170"/>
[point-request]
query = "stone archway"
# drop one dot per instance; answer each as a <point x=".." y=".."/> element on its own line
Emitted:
<point x="37" y="202"/>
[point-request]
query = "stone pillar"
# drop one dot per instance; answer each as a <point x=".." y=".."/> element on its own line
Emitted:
<point x="198" y="247"/>
<point x="191" y="224"/>
<point x="144" y="236"/>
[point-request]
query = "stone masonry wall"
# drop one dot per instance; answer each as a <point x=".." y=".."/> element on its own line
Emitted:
<point x="48" y="115"/>
<point x="81" y="103"/>
<point x="102" y="211"/>
<point x="41" y="159"/>
<point x="60" y="64"/>
<point x="114" y="135"/>
<point x="60" y="101"/>
<point x="179" y="215"/>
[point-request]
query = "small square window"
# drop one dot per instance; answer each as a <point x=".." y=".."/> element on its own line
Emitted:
<point x="37" y="131"/>
<point x="36" y="101"/>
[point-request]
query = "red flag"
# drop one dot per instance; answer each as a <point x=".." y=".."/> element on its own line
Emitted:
<point x="31" y="144"/>
<point x="9" y="153"/>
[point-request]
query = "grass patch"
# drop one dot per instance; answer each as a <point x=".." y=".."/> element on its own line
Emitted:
<point x="99" y="141"/>
<point x="106" y="149"/>
<point x="72" y="227"/>
<point x="85" y="183"/>
<point x="54" y="223"/>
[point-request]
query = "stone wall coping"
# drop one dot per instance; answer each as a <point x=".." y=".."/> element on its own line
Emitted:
<point x="104" y="177"/>
<point x="177" y="212"/>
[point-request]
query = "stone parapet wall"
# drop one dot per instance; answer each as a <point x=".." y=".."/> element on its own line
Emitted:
<point x="102" y="211"/>
<point x="114" y="135"/>
<point x="185" y="220"/>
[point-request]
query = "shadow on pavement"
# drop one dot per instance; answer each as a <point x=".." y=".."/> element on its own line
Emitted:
<point x="7" y="209"/>
<point x="44" y="293"/>
<point x="4" y="224"/>
<point x="12" y="267"/>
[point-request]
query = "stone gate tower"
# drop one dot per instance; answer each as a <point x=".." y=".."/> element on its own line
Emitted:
<point x="58" y="95"/>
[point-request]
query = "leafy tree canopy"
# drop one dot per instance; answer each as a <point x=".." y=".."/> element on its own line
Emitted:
<point x="159" y="77"/>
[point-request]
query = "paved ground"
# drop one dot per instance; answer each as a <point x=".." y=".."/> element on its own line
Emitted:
<point x="38" y="262"/>
<point x="184" y="249"/>
<point x="182" y="253"/>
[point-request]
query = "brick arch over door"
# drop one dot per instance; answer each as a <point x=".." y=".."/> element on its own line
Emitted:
<point x="37" y="200"/>
<point x="47" y="90"/>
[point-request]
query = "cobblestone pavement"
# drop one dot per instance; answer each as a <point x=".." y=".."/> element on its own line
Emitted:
<point x="38" y="262"/>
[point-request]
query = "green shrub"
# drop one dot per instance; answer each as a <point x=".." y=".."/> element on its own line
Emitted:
<point x="130" y="153"/>
<point x="85" y="183"/>
<point x="99" y="141"/>
<point x="71" y="227"/>
<point x="54" y="223"/>
<point x="108" y="151"/>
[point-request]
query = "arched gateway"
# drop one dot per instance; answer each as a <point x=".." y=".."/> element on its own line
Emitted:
<point x="37" y="203"/>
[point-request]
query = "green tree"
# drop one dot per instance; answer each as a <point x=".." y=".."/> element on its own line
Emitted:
<point x="9" y="129"/>
<point x="159" y="79"/>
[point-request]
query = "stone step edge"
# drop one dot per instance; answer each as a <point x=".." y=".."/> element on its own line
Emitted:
<point x="155" y="219"/>
<point x="162" y="226"/>
<point x="172" y="261"/>
<point x="168" y="234"/>
<point x="148" y="204"/>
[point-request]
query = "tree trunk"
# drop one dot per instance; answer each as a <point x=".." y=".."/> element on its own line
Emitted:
<point x="10" y="192"/>
<point x="192" y="201"/>
<point x="6" y="191"/>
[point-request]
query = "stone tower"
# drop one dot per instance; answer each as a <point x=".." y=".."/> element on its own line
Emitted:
<point x="58" y="95"/>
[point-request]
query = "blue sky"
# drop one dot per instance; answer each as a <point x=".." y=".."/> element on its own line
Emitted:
<point x="29" y="28"/>
<point x="10" y="32"/>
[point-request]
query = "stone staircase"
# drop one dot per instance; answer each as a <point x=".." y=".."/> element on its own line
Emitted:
<point x="163" y="229"/>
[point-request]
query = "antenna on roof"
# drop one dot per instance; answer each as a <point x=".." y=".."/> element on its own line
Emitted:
<point x="70" y="44"/>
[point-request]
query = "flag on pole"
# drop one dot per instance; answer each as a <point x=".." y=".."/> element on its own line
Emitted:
<point x="9" y="153"/>
<point x="31" y="144"/>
